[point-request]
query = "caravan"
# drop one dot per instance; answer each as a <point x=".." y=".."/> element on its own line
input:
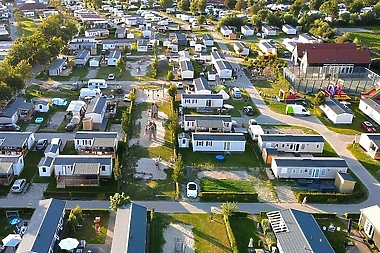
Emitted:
<point x="97" y="83"/>
<point x="85" y="92"/>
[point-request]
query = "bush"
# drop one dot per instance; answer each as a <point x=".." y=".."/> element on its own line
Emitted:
<point x="353" y="216"/>
<point x="270" y="239"/>
<point x="324" y="215"/>
<point x="239" y="215"/>
<point x="228" y="196"/>
<point x="265" y="226"/>
<point x="230" y="235"/>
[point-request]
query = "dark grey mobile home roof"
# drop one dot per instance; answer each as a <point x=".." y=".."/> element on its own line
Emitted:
<point x="217" y="55"/>
<point x="224" y="65"/>
<point x="92" y="135"/>
<point x="201" y="83"/>
<point x="42" y="226"/>
<point x="336" y="106"/>
<point x="304" y="234"/>
<point x="192" y="117"/>
<point x="373" y="103"/>
<point x="375" y="138"/>
<point x="13" y="139"/>
<point x="202" y="96"/>
<point x="207" y="37"/>
<point x="57" y="63"/>
<point x="14" y="105"/>
<point x="186" y="65"/>
<point x="46" y="161"/>
<point x="71" y="159"/>
<point x="291" y="138"/>
<point x="82" y="54"/>
<point x="130" y="229"/>
<point x="294" y="162"/>
<point x="96" y="105"/>
<point x="218" y="137"/>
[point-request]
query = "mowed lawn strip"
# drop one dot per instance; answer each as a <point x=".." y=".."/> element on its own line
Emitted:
<point x="372" y="166"/>
<point x="226" y="185"/>
<point x="243" y="229"/>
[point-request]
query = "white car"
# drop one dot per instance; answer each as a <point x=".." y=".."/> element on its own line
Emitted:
<point x="179" y="85"/>
<point x="18" y="185"/>
<point x="192" y="190"/>
<point x="111" y="77"/>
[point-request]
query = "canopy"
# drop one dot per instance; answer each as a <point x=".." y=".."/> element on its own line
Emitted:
<point x="75" y="106"/>
<point x="224" y="94"/>
<point x="68" y="243"/>
<point x="12" y="240"/>
<point x="59" y="101"/>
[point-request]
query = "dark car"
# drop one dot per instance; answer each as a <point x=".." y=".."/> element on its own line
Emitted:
<point x="70" y="127"/>
<point x="9" y="127"/>
<point x="248" y="110"/>
<point x="368" y="127"/>
<point x="41" y="144"/>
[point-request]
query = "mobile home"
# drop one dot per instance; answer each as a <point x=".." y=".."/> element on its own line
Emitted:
<point x="97" y="83"/>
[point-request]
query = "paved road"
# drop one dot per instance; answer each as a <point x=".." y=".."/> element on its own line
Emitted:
<point x="13" y="30"/>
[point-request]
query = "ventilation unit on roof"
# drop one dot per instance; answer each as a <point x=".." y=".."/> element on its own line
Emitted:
<point x="277" y="222"/>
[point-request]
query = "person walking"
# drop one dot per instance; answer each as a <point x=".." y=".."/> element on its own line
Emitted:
<point x="304" y="201"/>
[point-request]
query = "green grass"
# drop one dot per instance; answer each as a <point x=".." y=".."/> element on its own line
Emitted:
<point x="26" y="27"/>
<point x="230" y="47"/>
<point x="69" y="149"/>
<point x="88" y="232"/>
<point x="5" y="228"/>
<point x="328" y="151"/>
<point x="244" y="229"/>
<point x="239" y="104"/>
<point x="250" y="158"/>
<point x="226" y="185"/>
<point x="35" y="91"/>
<point x="77" y="74"/>
<point x="338" y="238"/>
<point x="372" y="40"/>
<point x="209" y="235"/>
<point x="372" y="165"/>
<point x="31" y="161"/>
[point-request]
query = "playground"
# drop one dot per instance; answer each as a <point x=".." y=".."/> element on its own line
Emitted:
<point x="334" y="90"/>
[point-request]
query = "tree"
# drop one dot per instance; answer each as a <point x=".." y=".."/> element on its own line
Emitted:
<point x="155" y="67"/>
<point x="356" y="6"/>
<point x="368" y="18"/>
<point x="15" y="83"/>
<point x="166" y="3"/>
<point x="150" y="3"/>
<point x="376" y="9"/>
<point x="329" y="8"/>
<point x="172" y="91"/>
<point x="274" y="20"/>
<point x="201" y="19"/>
<point x="81" y="29"/>
<point x="178" y="173"/>
<point x="290" y="20"/>
<point x="344" y="18"/>
<point x="322" y="29"/>
<point x="118" y="200"/>
<point x="194" y="6"/>
<point x="256" y="21"/>
<point x="228" y="208"/>
<point x="75" y="217"/>
<point x="230" y="4"/>
<point x="184" y="5"/>
<point x="117" y="169"/>
<point x="5" y="92"/>
<point x="256" y="7"/>
<point x="232" y="20"/>
<point x="240" y="5"/>
<point x="296" y="8"/>
<point x="170" y="76"/>
<point x="315" y="4"/>
<point x="24" y="70"/>
<point x="263" y="14"/>
<point x="319" y="99"/>
<point x="202" y="6"/>
<point x="120" y="64"/>
<point x="125" y="121"/>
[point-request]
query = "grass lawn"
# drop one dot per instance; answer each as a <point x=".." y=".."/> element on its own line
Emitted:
<point x="69" y="149"/>
<point x="244" y="229"/>
<point x="373" y="166"/>
<point x="337" y="239"/>
<point x="226" y="185"/>
<point x="88" y="231"/>
<point x="270" y="90"/>
<point x="35" y="91"/>
<point x="31" y="161"/>
<point x="230" y="47"/>
<point x="239" y="104"/>
<point x="327" y="151"/>
<point x="5" y="228"/>
<point x="209" y="235"/>
<point x="26" y="27"/>
<point x="78" y="74"/>
<point x="372" y="40"/>
<point x="250" y="158"/>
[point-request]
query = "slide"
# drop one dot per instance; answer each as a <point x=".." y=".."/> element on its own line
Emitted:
<point x="369" y="93"/>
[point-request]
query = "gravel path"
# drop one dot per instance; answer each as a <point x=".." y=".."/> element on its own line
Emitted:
<point x="148" y="165"/>
<point x="182" y="232"/>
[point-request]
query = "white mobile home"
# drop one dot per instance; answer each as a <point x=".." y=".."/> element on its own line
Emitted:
<point x="96" y="110"/>
<point x="218" y="142"/>
<point x="202" y="101"/>
<point x="97" y="84"/>
<point x="224" y="69"/>
<point x="247" y="31"/>
<point x="201" y="86"/>
<point x="255" y="131"/>
<point x="45" y="166"/>
<point x="371" y="108"/>
<point x="241" y="49"/>
<point x="269" y="30"/>
<point x="289" y="30"/>
<point x="316" y="167"/>
<point x="226" y="30"/>
<point x="267" y="48"/>
<point x="56" y="67"/>
<point x="52" y="150"/>
<point x="216" y="56"/>
<point x="187" y="69"/>
<point x="113" y="57"/>
<point x="208" y="40"/>
<point x="289" y="143"/>
<point x="208" y="123"/>
<point x="81" y="59"/>
<point x="88" y="92"/>
<point x="336" y="112"/>
<point x="371" y="144"/>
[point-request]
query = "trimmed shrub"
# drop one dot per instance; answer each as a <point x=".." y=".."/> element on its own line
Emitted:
<point x="353" y="216"/>
<point x="239" y="215"/>
<point x="324" y="215"/>
<point x="230" y="235"/>
<point x="228" y="196"/>
<point x="78" y="195"/>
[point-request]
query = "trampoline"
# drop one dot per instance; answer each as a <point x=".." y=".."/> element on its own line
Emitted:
<point x="219" y="158"/>
<point x="39" y="120"/>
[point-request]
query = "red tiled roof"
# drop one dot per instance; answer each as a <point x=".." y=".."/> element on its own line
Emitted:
<point x="338" y="56"/>
<point x="301" y="47"/>
<point x="31" y="6"/>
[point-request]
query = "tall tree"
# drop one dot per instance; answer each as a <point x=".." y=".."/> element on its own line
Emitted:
<point x="202" y="5"/>
<point x="296" y="8"/>
<point x="228" y="208"/>
<point x="329" y="8"/>
<point x="120" y="64"/>
<point x="230" y="4"/>
<point x="315" y="4"/>
<point x="256" y="7"/>
<point x="201" y="19"/>
<point x="240" y="5"/>
<point x="15" y="83"/>
<point x="376" y="9"/>
<point x="166" y="3"/>
<point x="184" y="5"/>
<point x="356" y="6"/>
<point x="322" y="28"/>
<point x="194" y="6"/>
<point x="5" y="92"/>
<point x="118" y="200"/>
<point x="178" y="173"/>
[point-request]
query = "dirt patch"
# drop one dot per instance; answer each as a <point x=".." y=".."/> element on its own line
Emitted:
<point x="148" y="165"/>
<point x="151" y="95"/>
<point x="145" y="140"/>
<point x="233" y="175"/>
<point x="285" y="130"/>
<point x="32" y="128"/>
<point x="55" y="121"/>
<point x="352" y="29"/>
<point x="139" y="68"/>
<point x="181" y="233"/>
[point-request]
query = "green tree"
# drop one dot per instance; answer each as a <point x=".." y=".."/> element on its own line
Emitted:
<point x="356" y="6"/>
<point x="319" y="99"/>
<point x="230" y="4"/>
<point x="125" y="121"/>
<point x="81" y="30"/>
<point x="376" y="9"/>
<point x="118" y="200"/>
<point x="15" y="83"/>
<point x="296" y="8"/>
<point x="256" y="7"/>
<point x="155" y="67"/>
<point x="184" y="5"/>
<point x="315" y="4"/>
<point x="290" y="20"/>
<point x="150" y="3"/>
<point x="201" y="19"/>
<point x="368" y="18"/>
<point x="263" y="14"/>
<point x="232" y="20"/>
<point x="73" y="221"/>
<point x="194" y="6"/>
<point x="170" y="76"/>
<point x="166" y="3"/>
<point x="120" y="64"/>
<point x="178" y="173"/>
<point x="322" y="29"/>
<point x="202" y="5"/>
<point x="240" y="5"/>
<point x="274" y="20"/>
<point x="344" y="18"/>
<point x="256" y="21"/>
<point x="5" y="92"/>
<point x="117" y="169"/>
<point x="228" y="208"/>
<point x="172" y="91"/>
<point x="329" y="8"/>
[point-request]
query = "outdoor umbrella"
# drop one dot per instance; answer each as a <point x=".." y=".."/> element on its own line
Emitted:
<point x="15" y="221"/>
<point x="68" y="243"/>
<point x="12" y="240"/>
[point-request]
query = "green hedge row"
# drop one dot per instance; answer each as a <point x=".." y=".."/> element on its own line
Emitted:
<point x="230" y="235"/>
<point x="80" y="195"/>
<point x="228" y="196"/>
<point x="324" y="215"/>
<point x="353" y="216"/>
<point x="239" y="215"/>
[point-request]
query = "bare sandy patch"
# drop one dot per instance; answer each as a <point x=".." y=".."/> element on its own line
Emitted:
<point x="148" y="165"/>
<point x="232" y="175"/>
<point x="151" y="95"/>
<point x="179" y="232"/>
<point x="139" y="68"/>
<point x="144" y="139"/>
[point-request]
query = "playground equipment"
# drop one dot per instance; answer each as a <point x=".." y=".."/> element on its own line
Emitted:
<point x="373" y="93"/>
<point x="290" y="95"/>
<point x="334" y="90"/>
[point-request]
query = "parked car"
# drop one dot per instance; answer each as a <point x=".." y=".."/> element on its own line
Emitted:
<point x="9" y="127"/>
<point x="368" y="127"/>
<point x="74" y="86"/>
<point x="111" y="77"/>
<point x="70" y="127"/>
<point x="126" y="98"/>
<point x="252" y="122"/>
<point x="19" y="185"/>
<point x="192" y="190"/>
<point x="59" y="102"/>
<point x="56" y="141"/>
<point x="41" y="144"/>
<point x="236" y="92"/>
<point x="248" y="110"/>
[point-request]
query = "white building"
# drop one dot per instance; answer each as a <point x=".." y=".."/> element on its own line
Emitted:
<point x="267" y="48"/>
<point x="201" y="86"/>
<point x="218" y="142"/>
<point x="371" y="108"/>
<point x="269" y="30"/>
<point x="336" y="112"/>
<point x="41" y="106"/>
<point x="241" y="49"/>
<point x="208" y="40"/>
<point x="209" y="123"/>
<point x="247" y="30"/>
<point x="94" y="62"/>
<point x="187" y="69"/>
<point x="290" y="143"/>
<point x="289" y="30"/>
<point x="226" y="30"/>
<point x="96" y="109"/>
<point x="216" y="55"/>
<point x="202" y="101"/>
<point x="224" y="69"/>
<point x="113" y="57"/>
<point x="371" y="144"/>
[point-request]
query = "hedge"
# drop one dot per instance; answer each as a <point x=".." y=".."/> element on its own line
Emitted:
<point x="230" y="235"/>
<point x="353" y="216"/>
<point x="228" y="196"/>
<point x="79" y="195"/>
<point x="239" y="215"/>
<point x="324" y="215"/>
